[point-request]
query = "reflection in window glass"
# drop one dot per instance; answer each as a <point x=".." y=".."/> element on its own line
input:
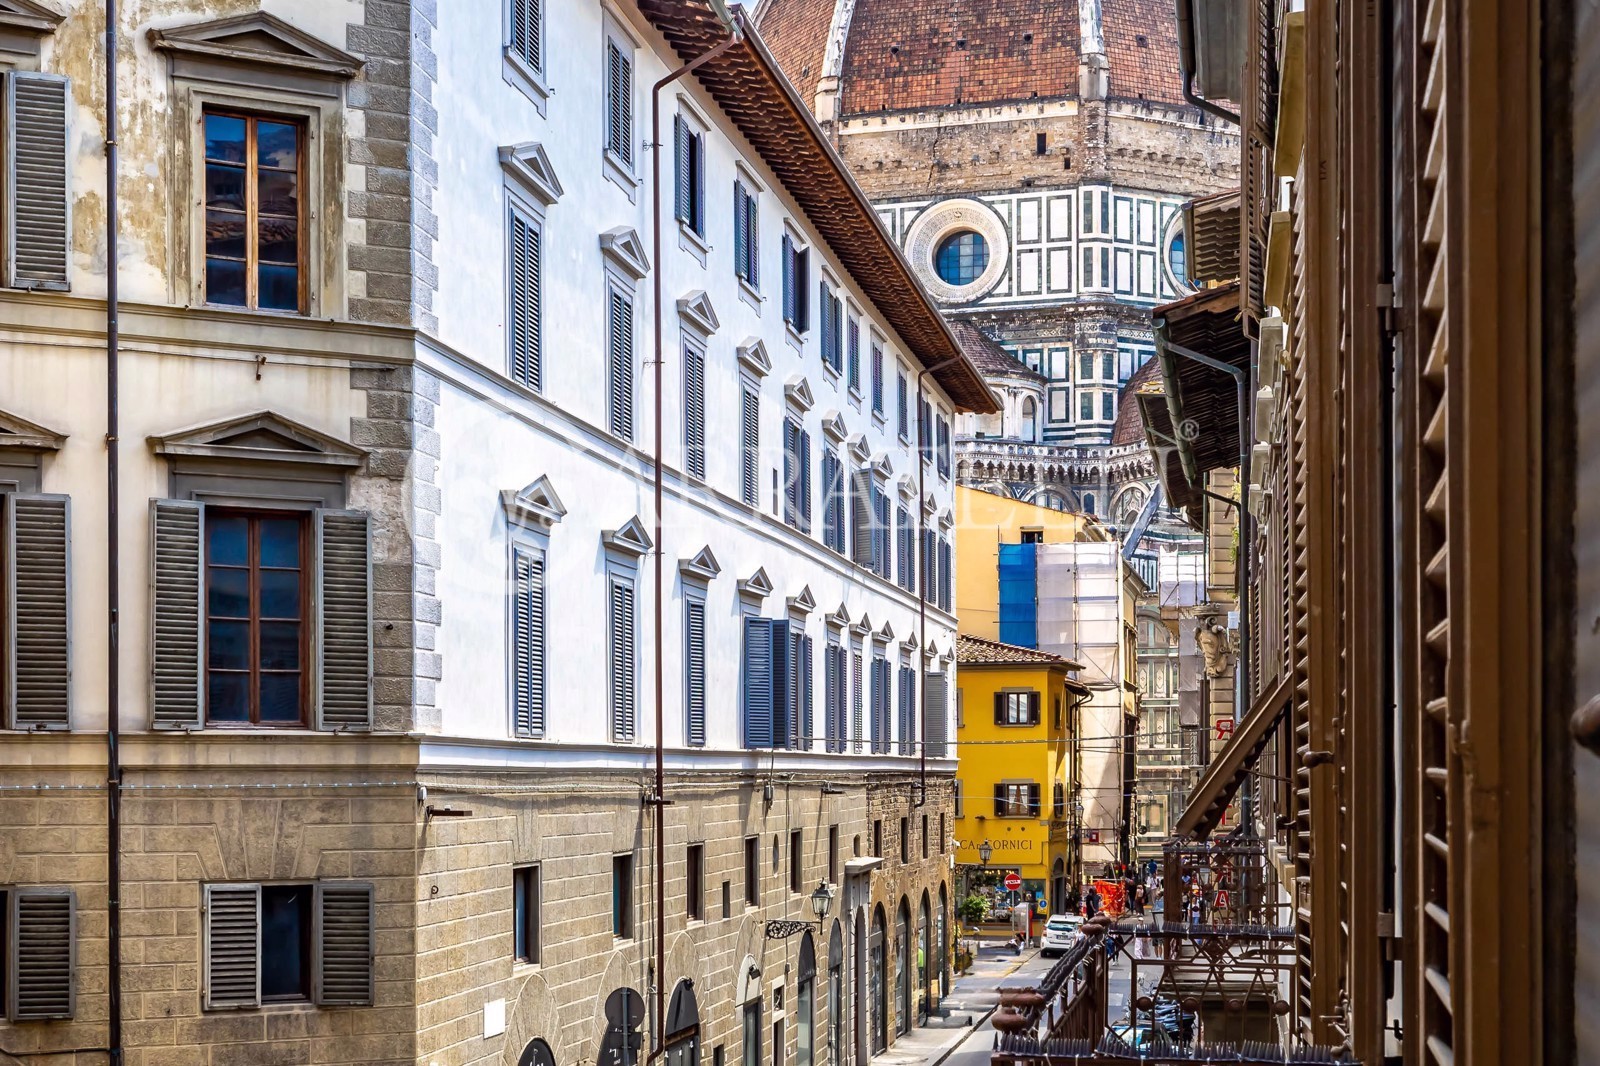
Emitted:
<point x="962" y="258"/>
<point x="253" y="211"/>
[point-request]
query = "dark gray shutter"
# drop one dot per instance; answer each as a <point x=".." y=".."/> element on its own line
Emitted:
<point x="44" y="954"/>
<point x="752" y="233"/>
<point x="805" y="481"/>
<point x="621" y="365"/>
<point x="527" y="308"/>
<point x="694" y="657"/>
<point x="756" y="680"/>
<point x="39" y="652"/>
<point x="935" y="713"/>
<point x="855" y="701"/>
<point x="623" y="661"/>
<point x="694" y="411"/>
<point x="528" y="642"/>
<point x="802" y="290"/>
<point x="832" y="696"/>
<point x="876" y="739"/>
<point x="791" y="473"/>
<point x="999" y="708"/>
<point x="343" y="936"/>
<point x="1033" y="708"/>
<point x="344" y="620"/>
<point x="741" y="233"/>
<point x="1001" y="808"/>
<point x="37" y="221"/>
<point x="527" y="26"/>
<point x="177" y="562"/>
<point x="619" y="103"/>
<point x="681" y="191"/>
<point x="231" y="946"/>
<point x="749" y="447"/>
<point x="829" y="356"/>
<point x="789" y="308"/>
<point x="1033" y="799"/>
<point x="804" y="690"/>
<point x="861" y="518"/>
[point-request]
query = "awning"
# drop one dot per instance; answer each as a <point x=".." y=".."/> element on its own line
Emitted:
<point x="1163" y="443"/>
<point x="1211" y="229"/>
<point x="1229" y="769"/>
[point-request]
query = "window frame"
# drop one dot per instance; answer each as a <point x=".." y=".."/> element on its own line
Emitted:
<point x="622" y="893"/>
<point x="752" y="871"/>
<point x="528" y="76"/>
<point x="252" y="117"/>
<point x="518" y="205"/>
<point x="692" y="238"/>
<point x="694" y="881"/>
<point x="796" y="269"/>
<point x="623" y="171"/>
<point x="527" y="885"/>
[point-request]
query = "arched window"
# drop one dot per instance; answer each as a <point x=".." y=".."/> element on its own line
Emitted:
<point x="836" y="995"/>
<point x="924" y="949"/>
<point x="962" y="258"/>
<point x="805" y="1005"/>
<point x="878" y="983"/>
<point x="683" y="1026"/>
<point x="944" y="942"/>
<point x="902" y="975"/>
<point x="1088" y="503"/>
<point x="1030" y="419"/>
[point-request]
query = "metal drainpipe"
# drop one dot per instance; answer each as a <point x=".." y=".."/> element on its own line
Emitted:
<point x="659" y="800"/>
<point x="922" y="580"/>
<point x="1185" y="26"/>
<point x="113" y="605"/>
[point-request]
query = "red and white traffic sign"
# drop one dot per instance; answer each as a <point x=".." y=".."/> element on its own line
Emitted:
<point x="1013" y="881"/>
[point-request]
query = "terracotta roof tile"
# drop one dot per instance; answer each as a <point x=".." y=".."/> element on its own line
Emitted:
<point x="1142" y="48"/>
<point x="797" y="33"/>
<point x="986" y="353"/>
<point x="977" y="651"/>
<point x="1129" y="427"/>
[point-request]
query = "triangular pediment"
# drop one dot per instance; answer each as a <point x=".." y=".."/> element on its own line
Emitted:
<point x="946" y="519"/>
<point x="262" y="437"/>
<point x="929" y="504"/>
<point x="798" y="392"/>
<point x="910" y="642"/>
<point x="802" y="602"/>
<point x="754" y="358"/>
<point x="933" y="649"/>
<point x="907" y="486"/>
<point x="863" y="626"/>
<point x="256" y="38"/>
<point x="859" y="451"/>
<point x="833" y="426"/>
<point x="757" y="586"/>
<point x="701" y="567"/>
<point x="886" y="633"/>
<point x="23" y="435"/>
<point x="881" y="465"/>
<point x="537" y="505"/>
<point x="840" y="617"/>
<point x="624" y="248"/>
<point x="530" y="165"/>
<point x="695" y="309"/>
<point x="26" y="16"/>
<point x="630" y="538"/>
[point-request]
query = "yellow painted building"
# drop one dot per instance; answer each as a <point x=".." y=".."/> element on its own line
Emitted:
<point x="1015" y="726"/>
<point x="985" y="521"/>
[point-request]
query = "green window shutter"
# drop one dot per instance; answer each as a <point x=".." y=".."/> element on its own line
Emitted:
<point x="343" y="630"/>
<point x="44" y="954"/>
<point x="36" y="181"/>
<point x="177" y="557"/>
<point x="38" y="585"/>
<point x="231" y="946"/>
<point x="623" y="662"/>
<point x="528" y="643"/>
<point x="343" y="938"/>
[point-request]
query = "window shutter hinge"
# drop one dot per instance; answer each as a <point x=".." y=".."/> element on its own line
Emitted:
<point x="1384" y="300"/>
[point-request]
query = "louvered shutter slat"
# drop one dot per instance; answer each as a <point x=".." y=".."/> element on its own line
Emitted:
<point x="177" y="537"/>
<point x="344" y="940"/>
<point x="695" y="666"/>
<point x="344" y="620"/>
<point x="935" y="711"/>
<point x="36" y="180"/>
<point x="749" y="447"/>
<point x="621" y="366"/>
<point x="682" y="192"/>
<point x="805" y="481"/>
<point x="232" y="945"/>
<point x="623" y="663"/>
<point x="861" y="518"/>
<point x="40" y="590"/>
<point x="529" y="644"/>
<point x="694" y="413"/>
<point x="43" y="954"/>
<point x="757" y="682"/>
<point x="527" y="309"/>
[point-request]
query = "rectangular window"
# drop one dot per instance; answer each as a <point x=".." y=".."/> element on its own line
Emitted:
<point x="1016" y="708"/>
<point x="1108" y="406"/>
<point x="943" y="834"/>
<point x="287" y="943"/>
<point x="36" y="953"/>
<point x="796" y="861"/>
<point x="1085" y="366"/>
<point x="960" y="800"/>
<point x="622" y="896"/>
<point x="694" y="409"/>
<point x="690" y="196"/>
<point x="1085" y="405"/>
<point x="1108" y="366"/>
<point x="619" y="348"/>
<point x="796" y="285"/>
<point x="752" y="872"/>
<point x="905" y="840"/>
<point x="746" y="235"/>
<point x="853" y="355"/>
<point x="833" y="854"/>
<point x="622" y="659"/>
<point x="924" y="836"/>
<point x="526" y="317"/>
<point x="902" y="406"/>
<point x="1033" y="536"/>
<point x="752" y="1034"/>
<point x="694" y="873"/>
<point x="525" y="913"/>
<point x="619" y="102"/>
<point x="528" y="641"/>
<point x="943" y="441"/>
<point x="256" y="617"/>
<point x="1016" y="799"/>
<point x="749" y="446"/>
<point x="877" y="379"/>
<point x="527" y="32"/>
<point x="727" y="900"/>
<point x="694" y="671"/>
<point x="877" y="838"/>
<point x="254" y="223"/>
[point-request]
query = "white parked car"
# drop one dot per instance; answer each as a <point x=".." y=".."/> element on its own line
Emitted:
<point x="1060" y="932"/>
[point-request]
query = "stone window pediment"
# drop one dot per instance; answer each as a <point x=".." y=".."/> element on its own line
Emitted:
<point x="757" y="586"/>
<point x="624" y="249"/>
<point x="802" y="602"/>
<point x="695" y="309"/>
<point x="23" y="23"/>
<point x="536" y="506"/>
<point x="753" y="356"/>
<point x="530" y="165"/>
<point x="702" y="568"/>
<point x="229" y="49"/>
<point x="798" y="392"/>
<point x="22" y="447"/>
<point x="630" y="539"/>
<point x="259" y="437"/>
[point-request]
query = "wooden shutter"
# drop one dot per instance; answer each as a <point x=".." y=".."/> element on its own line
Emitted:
<point x="343" y="631"/>
<point x="694" y="659"/>
<point x="802" y="290"/>
<point x="527" y="307"/>
<point x="177" y="557"/>
<point x="999" y="708"/>
<point x="757" y="682"/>
<point x="681" y="190"/>
<point x="791" y="474"/>
<point x="527" y="27"/>
<point x="803" y="690"/>
<point x="853" y="334"/>
<point x="231" y="946"/>
<point x="619" y="103"/>
<point x="861" y="517"/>
<point x="804" y="490"/>
<point x="44" y="954"/>
<point x="830" y="513"/>
<point x="903" y="706"/>
<point x="1033" y="799"/>
<point x="39" y="588"/>
<point x="749" y="447"/>
<point x="856" y="682"/>
<point x="620" y="345"/>
<point x="343" y="976"/>
<point x="1033" y="708"/>
<point x="935" y="713"/>
<point x="741" y="233"/>
<point x="694" y="411"/>
<point x="528" y="642"/>
<point x="1001" y="807"/>
<point x="623" y="662"/>
<point x="752" y="236"/>
<point x="831" y="696"/>
<point x="37" y="217"/>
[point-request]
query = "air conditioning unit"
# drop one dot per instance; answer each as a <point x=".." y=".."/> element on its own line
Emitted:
<point x="1266" y="414"/>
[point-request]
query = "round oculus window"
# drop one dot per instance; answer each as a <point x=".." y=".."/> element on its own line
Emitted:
<point x="961" y="258"/>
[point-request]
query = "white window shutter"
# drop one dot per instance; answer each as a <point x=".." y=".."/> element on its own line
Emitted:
<point x="38" y="588"/>
<point x="177" y="564"/>
<point x="343" y="936"/>
<point x="231" y="946"/>
<point x="528" y="643"/>
<point x="35" y="157"/>
<point x="343" y="630"/>
<point x="44" y="954"/>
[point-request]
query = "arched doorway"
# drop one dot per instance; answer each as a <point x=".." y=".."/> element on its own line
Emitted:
<point x="682" y="1032"/>
<point x="902" y="968"/>
<point x="805" y="1005"/>
<point x="836" y="1011"/>
<point x="621" y="1043"/>
<point x="924" y="957"/>
<point x="537" y="1053"/>
<point x="944" y="942"/>
<point x="878" y="984"/>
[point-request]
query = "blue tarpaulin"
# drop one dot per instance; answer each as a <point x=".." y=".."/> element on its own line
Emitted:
<point x="1019" y="595"/>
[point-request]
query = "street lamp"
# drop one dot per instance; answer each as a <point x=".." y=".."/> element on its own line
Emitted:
<point x="984" y="852"/>
<point x="821" y="900"/>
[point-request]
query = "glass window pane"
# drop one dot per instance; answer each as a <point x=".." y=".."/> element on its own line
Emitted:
<point x="279" y="192"/>
<point x="228" y="645"/>
<point x="285" y="935"/>
<point x="277" y="144"/>
<point x="280" y="697"/>
<point x="280" y="542"/>
<point x="225" y="232"/>
<point x="280" y="594"/>
<point x="279" y="288"/>
<point x="227" y="697"/>
<point x="280" y="645"/>
<point x="278" y="240"/>
<point x="519" y="912"/>
<point x="225" y="282"/>
<point x="227" y="540"/>
<point x="228" y="593"/>
<point x="225" y="186"/>
<point x="225" y="138"/>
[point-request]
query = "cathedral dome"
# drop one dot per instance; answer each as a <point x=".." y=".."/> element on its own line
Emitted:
<point x="907" y="55"/>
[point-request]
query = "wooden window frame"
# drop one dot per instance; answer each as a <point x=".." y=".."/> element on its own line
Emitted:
<point x="252" y="199"/>
<point x="307" y="616"/>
